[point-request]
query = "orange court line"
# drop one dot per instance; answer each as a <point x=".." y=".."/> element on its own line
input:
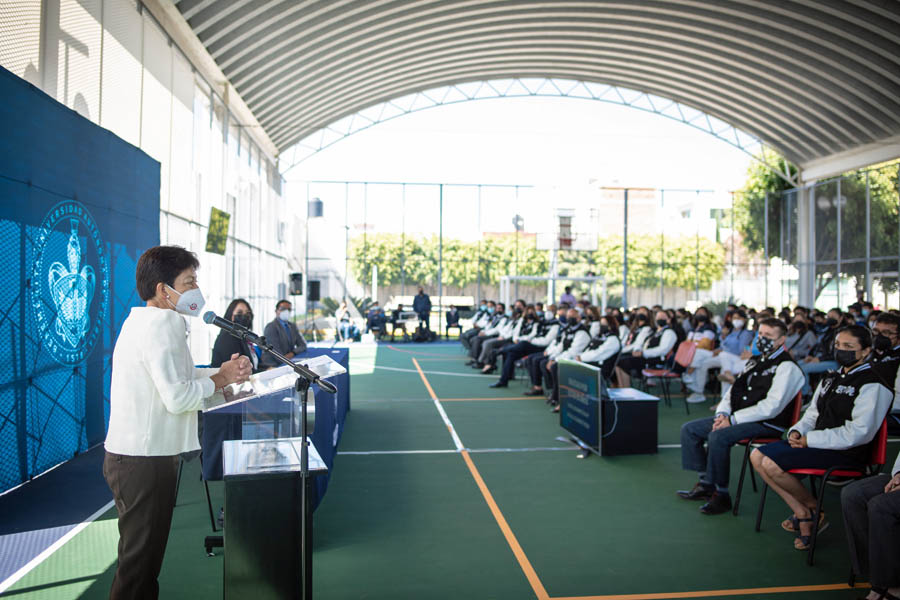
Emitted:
<point x="524" y="563"/>
<point x="488" y="399"/>
<point x="417" y="353"/>
<point x="708" y="593"/>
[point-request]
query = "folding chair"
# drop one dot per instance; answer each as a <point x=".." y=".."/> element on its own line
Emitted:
<point x="876" y="462"/>
<point x="756" y="442"/>
<point x="683" y="357"/>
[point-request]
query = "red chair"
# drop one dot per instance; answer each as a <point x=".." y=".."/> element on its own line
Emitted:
<point x="683" y="357"/>
<point x="876" y="462"/>
<point x="750" y="443"/>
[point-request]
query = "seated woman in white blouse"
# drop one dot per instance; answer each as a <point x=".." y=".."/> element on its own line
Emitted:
<point x="155" y="393"/>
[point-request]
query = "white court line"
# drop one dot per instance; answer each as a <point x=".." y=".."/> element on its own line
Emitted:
<point x="34" y="562"/>
<point x="448" y="373"/>
<point x="439" y="407"/>
<point x="451" y="451"/>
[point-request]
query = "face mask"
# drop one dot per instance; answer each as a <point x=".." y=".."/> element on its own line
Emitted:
<point x="548" y="315"/>
<point x="738" y="323"/>
<point x="764" y="344"/>
<point x="242" y="319"/>
<point x="829" y="322"/>
<point x="701" y="318"/>
<point x="604" y="329"/>
<point x="490" y="310"/>
<point x="845" y="358"/>
<point x="563" y="320"/>
<point x="284" y="315"/>
<point x="881" y="343"/>
<point x="509" y="313"/>
<point x="662" y="322"/>
<point x="190" y="303"/>
<point x="866" y="312"/>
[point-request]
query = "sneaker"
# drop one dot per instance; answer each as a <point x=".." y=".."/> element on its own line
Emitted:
<point x="725" y="377"/>
<point x="696" y="398"/>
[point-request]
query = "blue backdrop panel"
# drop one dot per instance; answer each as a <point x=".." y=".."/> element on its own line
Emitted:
<point x="77" y="207"/>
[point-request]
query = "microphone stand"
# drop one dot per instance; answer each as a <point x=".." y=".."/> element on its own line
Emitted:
<point x="305" y="378"/>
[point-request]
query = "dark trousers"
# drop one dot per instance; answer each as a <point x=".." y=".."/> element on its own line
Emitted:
<point x="423" y="319"/>
<point x="553" y="373"/>
<point x="513" y="353"/>
<point x="477" y="342"/>
<point x="715" y="459"/>
<point x="466" y="337"/>
<point x="533" y="364"/>
<point x="547" y="375"/>
<point x="872" y="521"/>
<point x="143" y="488"/>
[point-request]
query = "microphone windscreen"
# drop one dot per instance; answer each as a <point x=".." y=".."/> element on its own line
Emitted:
<point x="209" y="317"/>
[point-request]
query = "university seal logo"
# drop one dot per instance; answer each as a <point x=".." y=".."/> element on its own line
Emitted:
<point x="69" y="283"/>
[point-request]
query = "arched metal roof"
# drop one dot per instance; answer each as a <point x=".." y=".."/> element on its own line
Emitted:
<point x="811" y="78"/>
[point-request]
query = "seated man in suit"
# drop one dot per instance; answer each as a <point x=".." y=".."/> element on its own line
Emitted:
<point x="283" y="334"/>
<point x="397" y="322"/>
<point x="452" y="317"/>
<point x="757" y="404"/>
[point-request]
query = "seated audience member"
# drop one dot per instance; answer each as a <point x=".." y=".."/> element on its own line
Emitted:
<point x="534" y="336"/>
<point x="651" y="355"/>
<point x="638" y="333"/>
<point x="759" y="403"/>
<point x="604" y="347"/>
<point x="397" y="322"/>
<point x="886" y="359"/>
<point x="226" y="345"/>
<point x="837" y="428"/>
<point x="800" y="339"/>
<point x="487" y="359"/>
<point x="283" y="334"/>
<point x="821" y="357"/>
<point x="592" y="320"/>
<point x="873" y="316"/>
<point x="871" y="508"/>
<point x="371" y="314"/>
<point x="574" y="340"/>
<point x="492" y="330"/>
<point x="480" y="321"/>
<point x="452" y="319"/>
<point x="342" y="318"/>
<point x="685" y="319"/>
<point x="536" y="363"/>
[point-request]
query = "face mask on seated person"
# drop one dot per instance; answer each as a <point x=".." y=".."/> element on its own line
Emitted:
<point x="845" y="358"/>
<point x="604" y="329"/>
<point x="765" y="345"/>
<point x="738" y="323"/>
<point x="284" y="315"/>
<point x="661" y="322"/>
<point x="563" y="320"/>
<point x="242" y="319"/>
<point x="881" y="343"/>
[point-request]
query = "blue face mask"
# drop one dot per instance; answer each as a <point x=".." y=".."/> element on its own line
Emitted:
<point x="866" y="312"/>
<point x="509" y="313"/>
<point x="490" y="310"/>
<point x="563" y="320"/>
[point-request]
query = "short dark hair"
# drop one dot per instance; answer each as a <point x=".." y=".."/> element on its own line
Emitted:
<point x="889" y="319"/>
<point x="862" y="335"/>
<point x="162" y="264"/>
<point x="286" y="301"/>
<point x="776" y="324"/>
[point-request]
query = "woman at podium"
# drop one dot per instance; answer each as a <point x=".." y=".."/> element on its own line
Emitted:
<point x="155" y="393"/>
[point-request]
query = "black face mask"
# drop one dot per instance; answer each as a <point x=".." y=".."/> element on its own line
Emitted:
<point x="243" y="319"/>
<point x="662" y="322"/>
<point x="764" y="344"/>
<point x="604" y="329"/>
<point x="845" y="358"/>
<point x="701" y="318"/>
<point x="831" y="322"/>
<point x="881" y="343"/>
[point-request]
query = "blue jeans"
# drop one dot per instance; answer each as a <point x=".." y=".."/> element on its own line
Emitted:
<point x="817" y="367"/>
<point x="715" y="459"/>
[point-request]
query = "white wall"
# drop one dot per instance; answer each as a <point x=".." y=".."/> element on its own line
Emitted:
<point x="111" y="62"/>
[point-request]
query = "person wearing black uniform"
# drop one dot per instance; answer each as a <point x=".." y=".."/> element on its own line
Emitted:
<point x="652" y="354"/>
<point x="490" y="331"/>
<point x="837" y="429"/>
<point x="759" y="403"/>
<point x="886" y="359"/>
<point x="520" y="345"/>
<point x="530" y="348"/>
<point x="533" y="361"/>
<point x="603" y="348"/>
<point x="227" y="345"/>
<point x="575" y="339"/>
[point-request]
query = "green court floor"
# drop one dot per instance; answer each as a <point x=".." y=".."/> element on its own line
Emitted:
<point x="405" y="516"/>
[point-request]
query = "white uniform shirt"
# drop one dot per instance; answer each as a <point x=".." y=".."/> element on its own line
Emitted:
<point x="155" y="391"/>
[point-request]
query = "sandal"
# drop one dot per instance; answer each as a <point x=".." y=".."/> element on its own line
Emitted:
<point x="790" y="524"/>
<point x="803" y="542"/>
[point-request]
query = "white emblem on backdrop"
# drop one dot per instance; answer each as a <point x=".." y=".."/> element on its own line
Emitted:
<point x="70" y="297"/>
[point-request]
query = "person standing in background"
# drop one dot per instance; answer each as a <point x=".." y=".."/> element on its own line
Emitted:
<point x="422" y="307"/>
<point x="567" y="297"/>
<point x="155" y="394"/>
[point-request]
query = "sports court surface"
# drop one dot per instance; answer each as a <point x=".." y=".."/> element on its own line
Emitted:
<point x="444" y="488"/>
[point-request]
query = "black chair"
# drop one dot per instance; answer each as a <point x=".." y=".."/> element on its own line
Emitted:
<point x="452" y="323"/>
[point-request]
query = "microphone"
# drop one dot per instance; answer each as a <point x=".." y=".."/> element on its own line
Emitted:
<point x="238" y="331"/>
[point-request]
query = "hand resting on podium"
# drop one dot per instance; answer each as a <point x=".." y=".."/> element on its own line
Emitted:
<point x="236" y="370"/>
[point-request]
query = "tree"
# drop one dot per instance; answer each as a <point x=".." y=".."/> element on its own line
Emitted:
<point x="782" y="242"/>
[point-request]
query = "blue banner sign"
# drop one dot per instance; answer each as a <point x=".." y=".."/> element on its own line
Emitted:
<point x="581" y="387"/>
